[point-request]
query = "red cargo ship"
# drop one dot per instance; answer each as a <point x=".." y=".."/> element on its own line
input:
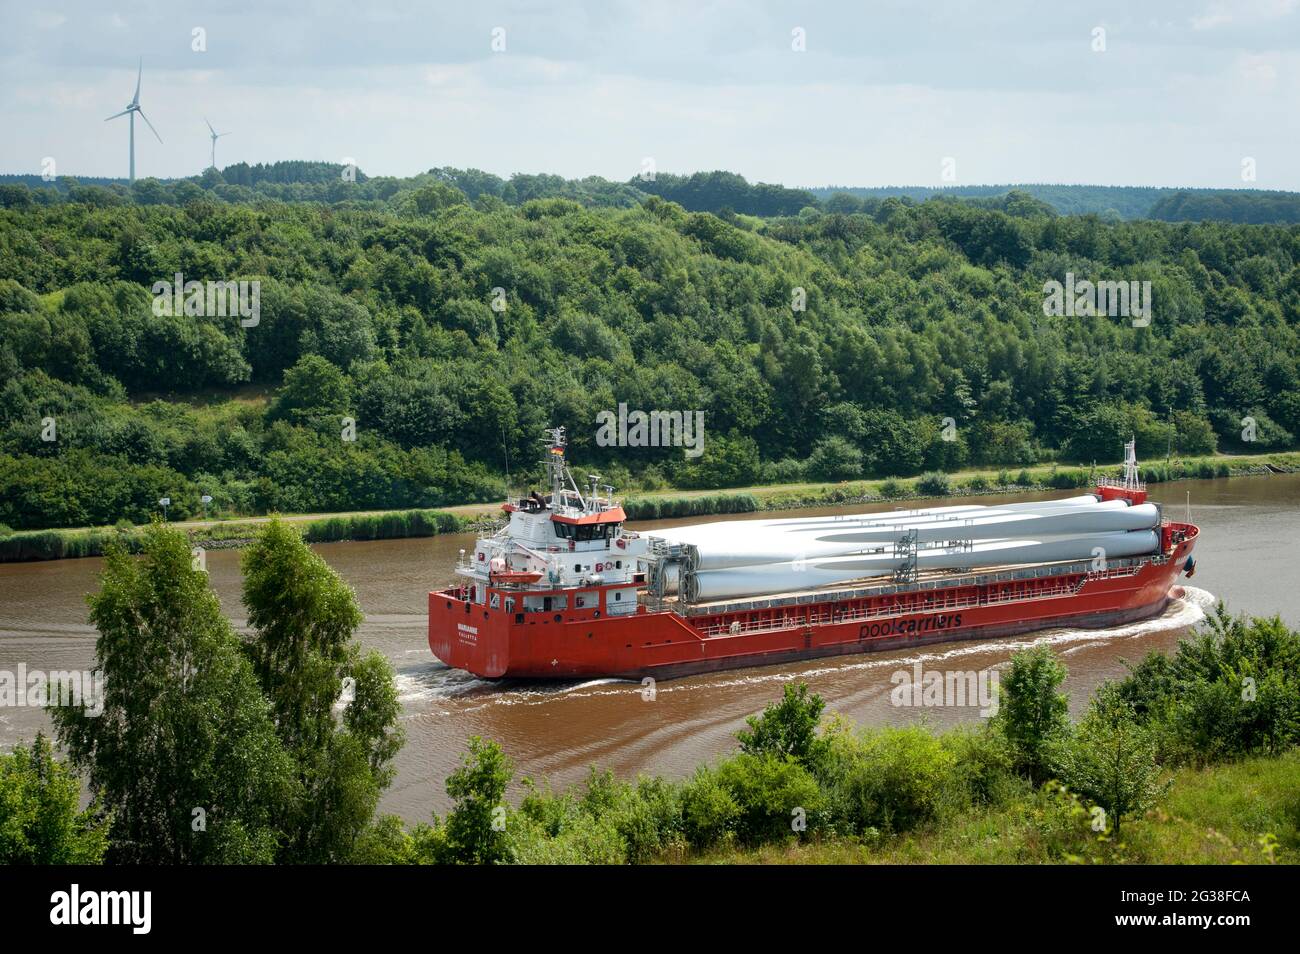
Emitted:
<point x="564" y="591"/>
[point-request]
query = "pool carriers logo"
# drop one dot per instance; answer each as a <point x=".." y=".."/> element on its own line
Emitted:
<point x="134" y="908"/>
<point x="910" y="627"/>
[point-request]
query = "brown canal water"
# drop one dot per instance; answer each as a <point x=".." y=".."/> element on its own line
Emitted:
<point x="1247" y="555"/>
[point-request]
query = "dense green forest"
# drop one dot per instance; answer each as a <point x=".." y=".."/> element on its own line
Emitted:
<point x="381" y="305"/>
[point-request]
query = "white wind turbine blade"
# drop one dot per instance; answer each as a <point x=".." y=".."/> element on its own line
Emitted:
<point x="210" y="129"/>
<point x="115" y="115"/>
<point x="149" y="124"/>
<point x="138" y="75"/>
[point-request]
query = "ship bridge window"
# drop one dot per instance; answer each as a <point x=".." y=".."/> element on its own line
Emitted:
<point x="564" y="530"/>
<point x="595" y="531"/>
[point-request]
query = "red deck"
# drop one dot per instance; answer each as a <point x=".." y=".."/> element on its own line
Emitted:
<point x="664" y="643"/>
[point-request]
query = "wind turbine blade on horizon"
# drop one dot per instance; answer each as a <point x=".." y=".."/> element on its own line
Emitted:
<point x="138" y="75"/>
<point x="210" y="129"/>
<point x="149" y="124"/>
<point x="115" y="115"/>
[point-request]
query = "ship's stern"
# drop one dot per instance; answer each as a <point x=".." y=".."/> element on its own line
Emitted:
<point x="468" y="635"/>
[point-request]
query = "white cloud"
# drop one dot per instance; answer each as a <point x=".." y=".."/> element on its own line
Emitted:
<point x="1219" y="14"/>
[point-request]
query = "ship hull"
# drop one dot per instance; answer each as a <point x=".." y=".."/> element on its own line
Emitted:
<point x="665" y="644"/>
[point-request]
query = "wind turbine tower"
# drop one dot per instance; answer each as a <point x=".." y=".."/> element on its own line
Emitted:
<point x="215" y="136"/>
<point x="132" y="108"/>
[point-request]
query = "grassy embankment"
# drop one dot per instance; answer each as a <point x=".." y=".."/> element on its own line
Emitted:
<point x="664" y="504"/>
<point x="1220" y="814"/>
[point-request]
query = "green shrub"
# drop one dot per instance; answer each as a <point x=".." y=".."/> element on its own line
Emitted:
<point x="982" y="767"/>
<point x="709" y="810"/>
<point x="385" y="841"/>
<point x="1066" y="478"/>
<point x="478" y="787"/>
<point x="1232" y="689"/>
<point x="892" y="489"/>
<point x="1111" y="759"/>
<point x="647" y="817"/>
<point x="934" y="484"/>
<point x="584" y="840"/>
<point x="776" y="797"/>
<point x="835" y="458"/>
<point x="1032" y="712"/>
<point x="894" y="780"/>
<point x="788" y="728"/>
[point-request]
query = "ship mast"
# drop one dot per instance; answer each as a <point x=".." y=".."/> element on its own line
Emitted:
<point x="562" y="482"/>
<point x="1131" y="481"/>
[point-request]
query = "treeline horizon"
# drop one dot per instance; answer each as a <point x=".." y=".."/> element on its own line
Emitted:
<point x="714" y="191"/>
<point x="822" y="346"/>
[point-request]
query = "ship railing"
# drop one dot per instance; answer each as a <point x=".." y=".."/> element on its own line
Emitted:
<point x="1119" y="483"/>
<point x="455" y="592"/>
<point x="468" y="565"/>
<point x="1111" y="572"/>
<point x="829" y="614"/>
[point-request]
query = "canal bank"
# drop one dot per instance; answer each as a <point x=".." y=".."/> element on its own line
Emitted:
<point x="68" y="543"/>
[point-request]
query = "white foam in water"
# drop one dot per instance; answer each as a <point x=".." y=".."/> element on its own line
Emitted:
<point x="610" y="680"/>
<point x="436" y="682"/>
<point x="1181" y="613"/>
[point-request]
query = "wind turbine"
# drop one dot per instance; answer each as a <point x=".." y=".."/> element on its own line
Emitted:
<point x="132" y="108"/>
<point x="215" y="136"/>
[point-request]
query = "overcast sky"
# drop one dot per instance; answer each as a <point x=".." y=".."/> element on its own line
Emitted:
<point x="1012" y="91"/>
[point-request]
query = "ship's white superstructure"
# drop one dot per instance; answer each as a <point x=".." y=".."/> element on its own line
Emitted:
<point x="571" y="538"/>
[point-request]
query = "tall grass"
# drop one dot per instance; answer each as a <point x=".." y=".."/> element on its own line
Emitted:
<point x="61" y="544"/>
<point x="384" y="526"/>
<point x="658" y="508"/>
